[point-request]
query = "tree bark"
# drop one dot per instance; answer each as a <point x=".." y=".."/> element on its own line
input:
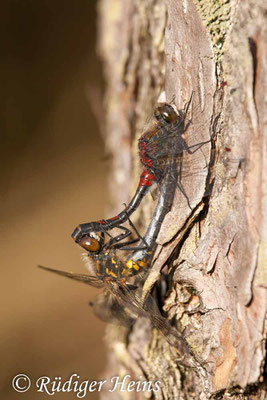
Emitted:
<point x="216" y="248"/>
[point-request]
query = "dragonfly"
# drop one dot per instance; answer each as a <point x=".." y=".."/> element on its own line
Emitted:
<point x="159" y="145"/>
<point x="122" y="301"/>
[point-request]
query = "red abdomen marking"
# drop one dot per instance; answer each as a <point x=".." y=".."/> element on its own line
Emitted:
<point x="146" y="178"/>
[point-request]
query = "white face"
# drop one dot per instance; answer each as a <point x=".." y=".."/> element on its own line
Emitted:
<point x="94" y="235"/>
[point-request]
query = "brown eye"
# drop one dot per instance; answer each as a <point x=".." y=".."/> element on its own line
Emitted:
<point x="167" y="113"/>
<point x="90" y="244"/>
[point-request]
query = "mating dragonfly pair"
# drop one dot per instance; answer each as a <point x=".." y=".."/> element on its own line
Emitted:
<point x="161" y="147"/>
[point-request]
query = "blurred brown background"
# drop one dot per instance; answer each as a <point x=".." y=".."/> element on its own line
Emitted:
<point x="52" y="178"/>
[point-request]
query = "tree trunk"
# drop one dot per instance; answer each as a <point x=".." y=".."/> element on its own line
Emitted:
<point x="216" y="248"/>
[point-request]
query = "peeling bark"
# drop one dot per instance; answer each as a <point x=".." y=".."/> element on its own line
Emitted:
<point x="215" y="249"/>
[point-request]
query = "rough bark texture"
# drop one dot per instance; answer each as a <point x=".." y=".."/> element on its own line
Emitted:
<point x="217" y="248"/>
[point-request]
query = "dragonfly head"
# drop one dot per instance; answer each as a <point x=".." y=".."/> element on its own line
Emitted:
<point x="165" y="112"/>
<point x="91" y="243"/>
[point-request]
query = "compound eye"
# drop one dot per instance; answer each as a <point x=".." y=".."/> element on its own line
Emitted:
<point x="167" y="113"/>
<point x="90" y="244"/>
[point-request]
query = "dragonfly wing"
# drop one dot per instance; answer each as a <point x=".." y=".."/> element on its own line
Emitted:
<point x="147" y="308"/>
<point x="88" y="279"/>
<point x="107" y="308"/>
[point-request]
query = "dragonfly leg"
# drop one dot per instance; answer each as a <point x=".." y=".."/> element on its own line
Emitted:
<point x="181" y="188"/>
<point x="117" y="238"/>
<point x="197" y="146"/>
<point x="121" y="246"/>
<point x="135" y="229"/>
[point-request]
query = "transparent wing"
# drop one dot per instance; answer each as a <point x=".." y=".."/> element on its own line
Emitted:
<point x="107" y="308"/>
<point x="128" y="296"/>
<point x="89" y="280"/>
<point x="193" y="154"/>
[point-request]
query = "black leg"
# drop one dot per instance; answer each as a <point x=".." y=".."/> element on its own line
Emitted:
<point x="117" y="238"/>
<point x="121" y="246"/>
<point x="136" y="231"/>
